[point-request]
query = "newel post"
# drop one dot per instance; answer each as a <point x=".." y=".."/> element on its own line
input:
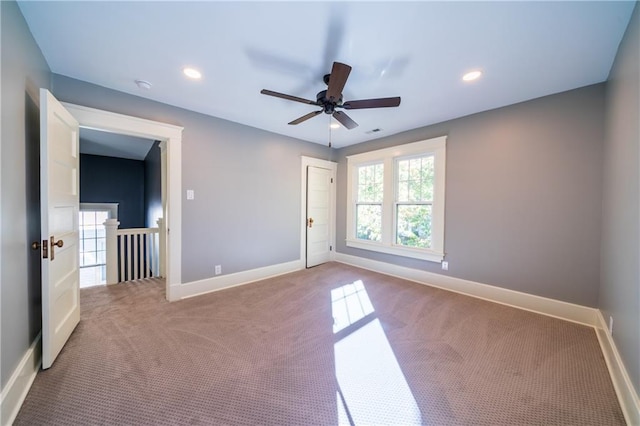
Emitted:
<point x="162" y="243"/>
<point x="111" y="234"/>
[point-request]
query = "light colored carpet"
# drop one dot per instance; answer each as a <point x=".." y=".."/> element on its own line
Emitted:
<point x="329" y="345"/>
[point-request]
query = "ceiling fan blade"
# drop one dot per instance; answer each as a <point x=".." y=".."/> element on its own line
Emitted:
<point x="305" y="117"/>
<point x="288" y="97"/>
<point x="337" y="80"/>
<point x="345" y="120"/>
<point x="372" y="103"/>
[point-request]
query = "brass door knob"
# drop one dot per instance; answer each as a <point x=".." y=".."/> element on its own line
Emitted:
<point x="35" y="245"/>
<point x="53" y="244"/>
<point x="310" y="222"/>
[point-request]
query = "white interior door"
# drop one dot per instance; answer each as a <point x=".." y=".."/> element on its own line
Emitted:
<point x="59" y="197"/>
<point x="319" y="183"/>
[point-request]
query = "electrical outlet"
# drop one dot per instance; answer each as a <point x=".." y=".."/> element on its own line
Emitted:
<point x="190" y="194"/>
<point x="610" y="324"/>
<point x="218" y="269"/>
<point x="445" y="265"/>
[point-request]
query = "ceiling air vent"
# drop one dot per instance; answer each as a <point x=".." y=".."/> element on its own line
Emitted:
<point x="376" y="130"/>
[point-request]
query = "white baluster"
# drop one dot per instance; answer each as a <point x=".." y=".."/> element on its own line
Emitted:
<point x="147" y="247"/>
<point x="129" y="254"/>
<point x="162" y="237"/>
<point x="136" y="256"/>
<point x="121" y="257"/>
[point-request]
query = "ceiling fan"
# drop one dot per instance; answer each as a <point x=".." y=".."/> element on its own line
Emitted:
<point x="331" y="98"/>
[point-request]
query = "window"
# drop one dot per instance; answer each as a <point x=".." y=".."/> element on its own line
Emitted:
<point x="93" y="242"/>
<point x="396" y="200"/>
<point x="92" y="246"/>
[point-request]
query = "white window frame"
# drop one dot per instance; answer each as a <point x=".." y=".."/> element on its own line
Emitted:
<point x="387" y="244"/>
<point x="112" y="208"/>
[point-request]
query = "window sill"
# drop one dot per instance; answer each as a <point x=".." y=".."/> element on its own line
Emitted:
<point x="422" y="254"/>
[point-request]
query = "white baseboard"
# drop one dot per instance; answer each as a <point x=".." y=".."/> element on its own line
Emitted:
<point x="14" y="393"/>
<point x="20" y="382"/>
<point x="196" y="288"/>
<point x="627" y="394"/>
<point x="542" y="305"/>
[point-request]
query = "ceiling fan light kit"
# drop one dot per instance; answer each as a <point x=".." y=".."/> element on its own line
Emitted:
<point x="192" y="73"/>
<point x="331" y="98"/>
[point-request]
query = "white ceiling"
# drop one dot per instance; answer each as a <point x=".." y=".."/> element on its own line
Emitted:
<point x="96" y="142"/>
<point x="416" y="50"/>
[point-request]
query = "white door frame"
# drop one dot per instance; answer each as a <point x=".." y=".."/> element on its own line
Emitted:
<point x="96" y="119"/>
<point x="309" y="161"/>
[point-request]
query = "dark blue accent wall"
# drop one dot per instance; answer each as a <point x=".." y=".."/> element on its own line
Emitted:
<point x="115" y="180"/>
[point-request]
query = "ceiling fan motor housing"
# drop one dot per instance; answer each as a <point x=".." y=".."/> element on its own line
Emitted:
<point x="327" y="105"/>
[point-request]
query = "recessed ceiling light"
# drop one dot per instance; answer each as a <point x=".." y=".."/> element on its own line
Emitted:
<point x="473" y="75"/>
<point x="335" y="126"/>
<point x="143" y="84"/>
<point x="192" y="73"/>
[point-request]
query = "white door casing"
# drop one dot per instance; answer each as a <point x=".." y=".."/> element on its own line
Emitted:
<point x="318" y="203"/>
<point x="59" y="198"/>
<point x="170" y="137"/>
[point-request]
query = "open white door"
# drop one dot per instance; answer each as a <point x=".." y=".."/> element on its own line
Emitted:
<point x="59" y="198"/>
<point x="319" y="183"/>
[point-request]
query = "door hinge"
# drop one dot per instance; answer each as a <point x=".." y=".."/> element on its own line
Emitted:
<point x="331" y="180"/>
<point x="330" y="248"/>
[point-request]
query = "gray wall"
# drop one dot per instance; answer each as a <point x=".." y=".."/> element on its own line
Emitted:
<point x="620" y="276"/>
<point x="24" y="71"/>
<point x="246" y="212"/>
<point x="153" y="186"/>
<point x="523" y="196"/>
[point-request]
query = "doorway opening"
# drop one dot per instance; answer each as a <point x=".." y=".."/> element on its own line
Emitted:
<point x="125" y="172"/>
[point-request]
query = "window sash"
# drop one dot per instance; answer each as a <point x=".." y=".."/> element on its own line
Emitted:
<point x="362" y="229"/>
<point x="422" y="237"/>
<point x="378" y="189"/>
<point x="401" y="182"/>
